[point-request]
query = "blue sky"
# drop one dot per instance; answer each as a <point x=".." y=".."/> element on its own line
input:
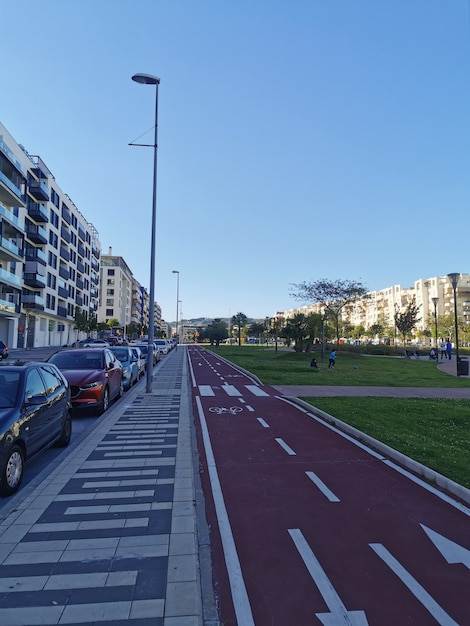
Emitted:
<point x="298" y="139"/>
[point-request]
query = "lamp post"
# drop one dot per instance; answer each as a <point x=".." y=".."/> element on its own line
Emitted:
<point x="454" y="279"/>
<point x="148" y="79"/>
<point x="435" y="301"/>
<point x="177" y="301"/>
<point x="180" y="306"/>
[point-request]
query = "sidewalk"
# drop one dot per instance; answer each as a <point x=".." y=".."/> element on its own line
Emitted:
<point x="110" y="536"/>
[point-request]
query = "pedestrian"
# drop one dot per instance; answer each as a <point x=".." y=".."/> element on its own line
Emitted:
<point x="442" y="346"/>
<point x="332" y="359"/>
<point x="449" y="349"/>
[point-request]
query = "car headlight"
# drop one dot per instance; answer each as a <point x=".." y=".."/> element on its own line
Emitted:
<point x="93" y="385"/>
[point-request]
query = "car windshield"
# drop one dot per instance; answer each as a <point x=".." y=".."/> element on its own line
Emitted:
<point x="121" y="353"/>
<point x="9" y="383"/>
<point x="78" y="360"/>
<point x="143" y="349"/>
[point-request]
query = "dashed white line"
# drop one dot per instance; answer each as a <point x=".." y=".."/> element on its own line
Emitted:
<point x="284" y="445"/>
<point x="323" y="488"/>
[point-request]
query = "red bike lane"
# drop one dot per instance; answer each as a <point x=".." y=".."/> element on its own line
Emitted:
<point x="308" y="527"/>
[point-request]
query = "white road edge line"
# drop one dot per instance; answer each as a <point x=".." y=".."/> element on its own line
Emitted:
<point x="241" y="602"/>
<point x="441" y="617"/>
<point x="323" y="488"/>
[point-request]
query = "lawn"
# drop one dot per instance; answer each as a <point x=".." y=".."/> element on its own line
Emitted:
<point x="434" y="432"/>
<point x="286" y="367"/>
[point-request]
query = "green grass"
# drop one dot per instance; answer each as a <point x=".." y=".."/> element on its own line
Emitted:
<point x="286" y="367"/>
<point x="434" y="432"/>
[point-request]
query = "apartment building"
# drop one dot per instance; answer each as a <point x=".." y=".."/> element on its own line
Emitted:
<point x="122" y="297"/>
<point x="49" y="253"/>
<point x="382" y="305"/>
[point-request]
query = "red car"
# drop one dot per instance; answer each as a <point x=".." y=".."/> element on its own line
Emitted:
<point x="94" y="376"/>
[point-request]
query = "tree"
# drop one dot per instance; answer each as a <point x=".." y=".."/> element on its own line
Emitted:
<point x="257" y="329"/>
<point x="239" y="320"/>
<point x="406" y="321"/>
<point x="80" y="321"/>
<point x="333" y="295"/>
<point x="216" y="331"/>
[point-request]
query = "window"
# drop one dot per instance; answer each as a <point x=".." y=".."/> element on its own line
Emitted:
<point x="53" y="239"/>
<point x="110" y="292"/>
<point x="51" y="280"/>
<point x="34" y="385"/>
<point x="51" y="379"/>
<point x="54" y="218"/>
<point x="109" y="312"/>
<point x="53" y="260"/>
<point x="110" y="272"/>
<point x="50" y="302"/>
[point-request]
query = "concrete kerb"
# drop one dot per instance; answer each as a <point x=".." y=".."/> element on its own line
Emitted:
<point x="425" y="473"/>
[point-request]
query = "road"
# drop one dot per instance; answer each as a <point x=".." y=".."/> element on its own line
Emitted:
<point x="308" y="526"/>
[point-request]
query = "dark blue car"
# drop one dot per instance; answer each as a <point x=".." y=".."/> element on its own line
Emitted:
<point x="35" y="413"/>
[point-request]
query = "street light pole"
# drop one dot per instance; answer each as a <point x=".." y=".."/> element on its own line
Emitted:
<point x="177" y="301"/>
<point x="435" y="301"/>
<point x="454" y="279"/>
<point x="148" y="79"/>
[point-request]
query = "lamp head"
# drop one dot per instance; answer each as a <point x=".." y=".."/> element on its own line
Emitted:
<point x="146" y="79"/>
<point x="435" y="301"/>
<point x="175" y="271"/>
<point x="454" y="278"/>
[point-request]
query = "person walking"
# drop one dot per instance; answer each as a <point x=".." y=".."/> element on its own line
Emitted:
<point x="332" y="360"/>
<point x="449" y="349"/>
<point x="442" y="347"/>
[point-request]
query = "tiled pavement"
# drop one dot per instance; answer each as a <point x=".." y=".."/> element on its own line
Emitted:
<point x="110" y="536"/>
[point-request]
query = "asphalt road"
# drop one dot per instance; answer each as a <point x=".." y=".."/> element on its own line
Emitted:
<point x="308" y="526"/>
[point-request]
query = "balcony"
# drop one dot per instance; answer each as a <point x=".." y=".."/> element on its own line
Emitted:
<point x="10" y="279"/>
<point x="64" y="272"/>
<point x="95" y="265"/>
<point x="36" y="233"/>
<point x="80" y="267"/>
<point x="79" y="283"/>
<point x="81" y="232"/>
<point x="10" y="193"/>
<point x="9" y="251"/>
<point x="40" y="169"/>
<point x="64" y="233"/>
<point x="62" y="311"/>
<point x="64" y="253"/>
<point x="39" y="190"/>
<point x="32" y="301"/>
<point x="79" y="300"/>
<point x="11" y="218"/>
<point x="63" y="292"/>
<point x="95" y="251"/>
<point x="35" y="280"/>
<point x="7" y="306"/>
<point x="37" y="212"/>
<point x="35" y="254"/>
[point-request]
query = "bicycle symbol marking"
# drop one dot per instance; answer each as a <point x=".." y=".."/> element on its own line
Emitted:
<point x="233" y="410"/>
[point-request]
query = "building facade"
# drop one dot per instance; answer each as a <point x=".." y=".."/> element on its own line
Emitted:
<point x="49" y="253"/>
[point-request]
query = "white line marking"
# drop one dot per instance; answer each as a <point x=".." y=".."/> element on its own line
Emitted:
<point x="284" y="445"/>
<point x="249" y="408"/>
<point x="323" y="488"/>
<point x="263" y="423"/>
<point x="338" y="612"/>
<point x="237" y="584"/>
<point x="206" y="390"/>
<point x="230" y="390"/>
<point x="413" y="585"/>
<point x="256" y="391"/>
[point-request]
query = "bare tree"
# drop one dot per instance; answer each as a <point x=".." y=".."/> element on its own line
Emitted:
<point x="333" y="295"/>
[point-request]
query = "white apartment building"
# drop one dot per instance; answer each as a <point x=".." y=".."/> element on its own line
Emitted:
<point x="49" y="253"/>
<point x="382" y="305"/>
<point x="122" y="297"/>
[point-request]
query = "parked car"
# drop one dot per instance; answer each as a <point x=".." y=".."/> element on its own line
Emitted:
<point x="95" y="343"/>
<point x="141" y="360"/>
<point x="130" y="365"/>
<point x="114" y="340"/>
<point x="163" y="345"/>
<point x="94" y="375"/>
<point x="3" y="351"/>
<point x="144" y="349"/>
<point x="35" y="413"/>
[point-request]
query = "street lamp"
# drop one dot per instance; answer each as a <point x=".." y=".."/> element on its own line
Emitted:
<point x="435" y="301"/>
<point x="177" y="301"/>
<point x="148" y="79"/>
<point x="454" y="279"/>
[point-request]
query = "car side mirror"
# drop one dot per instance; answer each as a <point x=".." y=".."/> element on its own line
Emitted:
<point x="35" y="400"/>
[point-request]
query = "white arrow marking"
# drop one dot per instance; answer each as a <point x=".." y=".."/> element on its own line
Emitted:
<point x="420" y="593"/>
<point x="451" y="551"/>
<point x="338" y="612"/>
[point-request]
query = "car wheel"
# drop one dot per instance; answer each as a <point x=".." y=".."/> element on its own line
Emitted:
<point x="12" y="471"/>
<point x="104" y="401"/>
<point x="66" y="434"/>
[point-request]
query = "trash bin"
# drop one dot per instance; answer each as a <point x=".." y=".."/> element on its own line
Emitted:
<point x="462" y="366"/>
